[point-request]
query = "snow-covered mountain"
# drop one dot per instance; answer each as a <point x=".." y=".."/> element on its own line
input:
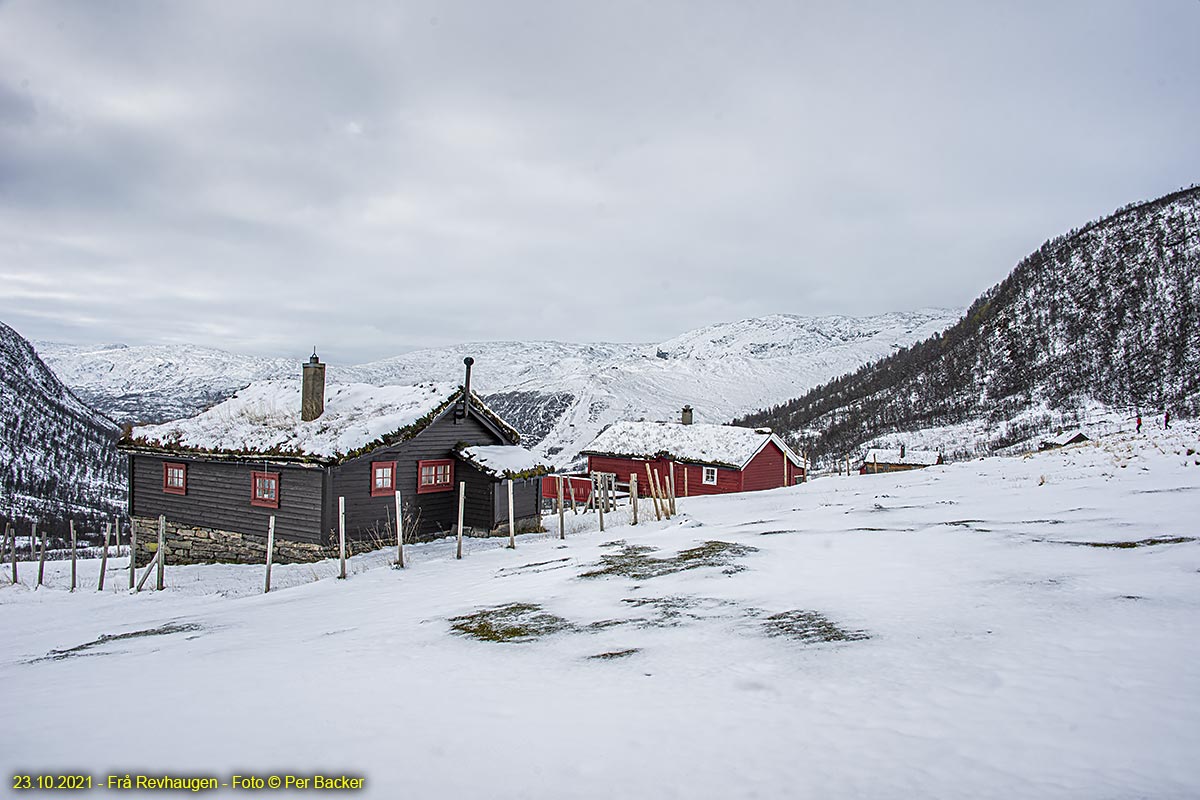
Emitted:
<point x="58" y="457"/>
<point x="154" y="383"/>
<point x="1096" y="325"/>
<point x="559" y="395"/>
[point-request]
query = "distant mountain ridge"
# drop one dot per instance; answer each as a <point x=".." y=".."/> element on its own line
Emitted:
<point x="1107" y="315"/>
<point x="558" y="394"/>
<point x="58" y="457"/>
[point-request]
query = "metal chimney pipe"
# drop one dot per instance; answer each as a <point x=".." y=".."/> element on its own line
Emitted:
<point x="466" y="403"/>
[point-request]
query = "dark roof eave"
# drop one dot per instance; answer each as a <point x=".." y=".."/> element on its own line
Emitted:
<point x="228" y="455"/>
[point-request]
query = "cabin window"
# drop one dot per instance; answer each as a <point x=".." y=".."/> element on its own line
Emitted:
<point x="710" y="476"/>
<point x="435" y="476"/>
<point x="264" y="489"/>
<point x="383" y="478"/>
<point x="174" y="478"/>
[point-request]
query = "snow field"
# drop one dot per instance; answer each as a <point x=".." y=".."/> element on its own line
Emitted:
<point x="1006" y="653"/>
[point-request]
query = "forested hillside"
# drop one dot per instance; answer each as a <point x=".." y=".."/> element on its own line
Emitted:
<point x="1108" y="313"/>
<point x="58" y="458"/>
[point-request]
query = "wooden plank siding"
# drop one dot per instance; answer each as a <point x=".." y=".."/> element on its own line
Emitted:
<point x="728" y="480"/>
<point x="218" y="496"/>
<point x="765" y="470"/>
<point x="438" y="511"/>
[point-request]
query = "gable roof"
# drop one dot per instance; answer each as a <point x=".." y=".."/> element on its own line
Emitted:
<point x="912" y="458"/>
<point x="502" y="461"/>
<point x="720" y="445"/>
<point x="264" y="419"/>
<point x="1069" y="437"/>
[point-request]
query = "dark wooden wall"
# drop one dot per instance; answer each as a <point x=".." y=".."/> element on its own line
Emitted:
<point x="218" y="496"/>
<point x="438" y="510"/>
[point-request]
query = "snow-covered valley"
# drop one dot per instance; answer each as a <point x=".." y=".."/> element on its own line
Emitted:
<point x="560" y="395"/>
<point x="1006" y="627"/>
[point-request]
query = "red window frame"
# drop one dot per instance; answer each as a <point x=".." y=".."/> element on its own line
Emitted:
<point x="388" y="487"/>
<point x="442" y="474"/>
<point x="178" y="468"/>
<point x="272" y="479"/>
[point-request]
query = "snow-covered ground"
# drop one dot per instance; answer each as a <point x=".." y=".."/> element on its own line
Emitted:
<point x="972" y="630"/>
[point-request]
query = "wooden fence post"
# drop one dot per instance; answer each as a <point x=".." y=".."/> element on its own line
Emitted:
<point x="562" y="519"/>
<point x="342" y="537"/>
<point x="73" y="552"/>
<point x="13" y="551"/>
<point x="571" y="494"/>
<point x="399" y="530"/>
<point x="673" y="509"/>
<point x="462" y="499"/>
<point x="162" y="546"/>
<point x="512" y="518"/>
<point x="270" y="551"/>
<point x="151" y="566"/>
<point x="41" y="555"/>
<point x="132" y="552"/>
<point x="597" y="480"/>
<point x="650" y="490"/>
<point x="104" y="557"/>
<point x="633" y="498"/>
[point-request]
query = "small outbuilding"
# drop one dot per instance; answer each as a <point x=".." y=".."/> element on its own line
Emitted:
<point x="1064" y="439"/>
<point x="880" y="460"/>
<point x="703" y="458"/>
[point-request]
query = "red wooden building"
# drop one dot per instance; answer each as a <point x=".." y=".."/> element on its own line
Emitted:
<point x="716" y="459"/>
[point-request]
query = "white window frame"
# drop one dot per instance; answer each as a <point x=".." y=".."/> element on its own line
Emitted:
<point x="709" y="476"/>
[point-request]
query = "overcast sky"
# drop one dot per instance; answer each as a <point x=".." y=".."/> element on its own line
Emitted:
<point x="373" y="177"/>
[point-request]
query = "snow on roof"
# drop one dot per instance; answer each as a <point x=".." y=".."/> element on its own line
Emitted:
<point x="500" y="460"/>
<point x="916" y="458"/>
<point x="699" y="443"/>
<point x="1067" y="438"/>
<point x="265" y="416"/>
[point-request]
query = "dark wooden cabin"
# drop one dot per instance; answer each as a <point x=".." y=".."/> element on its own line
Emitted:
<point x="217" y="498"/>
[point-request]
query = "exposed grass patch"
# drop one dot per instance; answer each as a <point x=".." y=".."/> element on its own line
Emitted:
<point x="514" y="622"/>
<point x="810" y="627"/>
<point x="614" y="654"/>
<point x="82" y="649"/>
<point x="634" y="560"/>
<point x="672" y="611"/>
<point x="1138" y="543"/>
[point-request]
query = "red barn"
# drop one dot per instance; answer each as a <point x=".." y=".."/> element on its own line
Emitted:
<point x="716" y="459"/>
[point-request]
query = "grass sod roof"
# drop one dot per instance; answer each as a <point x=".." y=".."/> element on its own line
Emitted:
<point x="189" y="437"/>
<point x="716" y="445"/>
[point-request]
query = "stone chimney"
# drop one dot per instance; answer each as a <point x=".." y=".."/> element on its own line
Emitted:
<point x="312" y="392"/>
<point x="686" y="415"/>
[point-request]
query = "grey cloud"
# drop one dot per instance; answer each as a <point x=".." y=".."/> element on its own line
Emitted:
<point x="381" y="176"/>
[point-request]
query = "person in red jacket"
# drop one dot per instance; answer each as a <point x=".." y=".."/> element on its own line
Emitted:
<point x="1139" y="422"/>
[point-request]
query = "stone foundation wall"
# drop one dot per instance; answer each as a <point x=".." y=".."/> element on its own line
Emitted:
<point x="186" y="544"/>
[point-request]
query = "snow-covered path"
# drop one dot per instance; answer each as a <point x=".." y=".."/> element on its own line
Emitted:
<point x="954" y="632"/>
